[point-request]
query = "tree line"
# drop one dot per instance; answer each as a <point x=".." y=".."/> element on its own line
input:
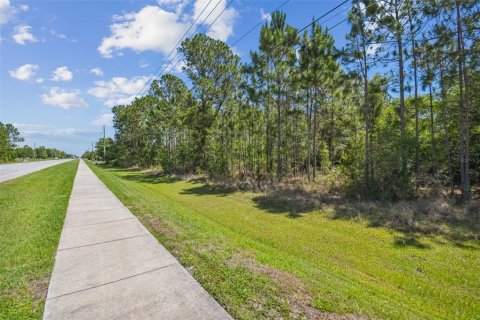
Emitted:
<point x="10" y="151"/>
<point x="392" y="113"/>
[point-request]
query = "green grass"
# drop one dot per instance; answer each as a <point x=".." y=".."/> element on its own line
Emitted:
<point x="32" y="211"/>
<point x="260" y="262"/>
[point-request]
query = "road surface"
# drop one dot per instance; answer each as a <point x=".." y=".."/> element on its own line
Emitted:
<point x="15" y="170"/>
<point x="109" y="266"/>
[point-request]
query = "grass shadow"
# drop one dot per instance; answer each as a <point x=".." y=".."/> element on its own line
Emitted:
<point x="413" y="220"/>
<point x="293" y="205"/>
<point x="150" y="178"/>
<point x="409" y="240"/>
<point x="207" y="189"/>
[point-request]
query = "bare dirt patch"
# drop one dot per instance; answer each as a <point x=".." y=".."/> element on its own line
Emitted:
<point x="161" y="227"/>
<point x="39" y="288"/>
<point x="293" y="289"/>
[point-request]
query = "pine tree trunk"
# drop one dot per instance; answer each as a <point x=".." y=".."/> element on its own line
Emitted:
<point x="309" y="125"/>
<point x="464" y="134"/>
<point x="314" y="142"/>
<point x="279" y="136"/>
<point x="268" y="131"/>
<point x="446" y="134"/>
<point x="401" y="72"/>
<point x="330" y="149"/>
<point x="415" y="88"/>
<point x="432" y="135"/>
<point x="366" y="112"/>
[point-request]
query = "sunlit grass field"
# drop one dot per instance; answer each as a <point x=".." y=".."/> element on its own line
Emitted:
<point x="32" y="211"/>
<point x="261" y="261"/>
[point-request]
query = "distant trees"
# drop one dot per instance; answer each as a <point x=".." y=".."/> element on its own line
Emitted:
<point x="9" y="137"/>
<point x="9" y="151"/>
<point x="385" y="116"/>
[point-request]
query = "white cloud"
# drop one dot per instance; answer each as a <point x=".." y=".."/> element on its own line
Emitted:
<point x="223" y="26"/>
<point x="25" y="72"/>
<point x="29" y="126"/>
<point x="7" y="11"/>
<point x="265" y="15"/>
<point x="21" y="34"/>
<point x="39" y="80"/>
<point x="152" y="28"/>
<point x="176" y="5"/>
<point x="62" y="74"/>
<point x="373" y="48"/>
<point x="60" y="35"/>
<point x="97" y="71"/>
<point x="28" y="130"/>
<point x="143" y="64"/>
<point x="119" y="101"/>
<point x="118" y="90"/>
<point x="105" y="119"/>
<point x="158" y="28"/>
<point x="64" y="98"/>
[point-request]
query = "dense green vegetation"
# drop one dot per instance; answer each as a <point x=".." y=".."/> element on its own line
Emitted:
<point x="266" y="256"/>
<point x="392" y="115"/>
<point x="32" y="211"/>
<point x="9" y="151"/>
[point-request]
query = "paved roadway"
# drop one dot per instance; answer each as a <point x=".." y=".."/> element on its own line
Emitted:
<point x="15" y="170"/>
<point x="108" y="266"/>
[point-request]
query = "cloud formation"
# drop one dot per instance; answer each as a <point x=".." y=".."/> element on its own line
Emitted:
<point x="118" y="90"/>
<point x="66" y="99"/>
<point x="97" y="71"/>
<point x="25" y="72"/>
<point x="62" y="74"/>
<point x="21" y="34"/>
<point x="105" y="119"/>
<point x="222" y="27"/>
<point x="158" y="28"/>
<point x="6" y="11"/>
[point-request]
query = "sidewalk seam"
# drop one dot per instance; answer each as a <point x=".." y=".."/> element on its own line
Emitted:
<point x="104" y="222"/>
<point x="97" y="243"/>
<point x="110" y="282"/>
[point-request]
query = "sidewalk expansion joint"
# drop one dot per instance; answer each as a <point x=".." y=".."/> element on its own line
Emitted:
<point x="110" y="282"/>
<point x="97" y="243"/>
<point x="97" y="223"/>
<point x="92" y="211"/>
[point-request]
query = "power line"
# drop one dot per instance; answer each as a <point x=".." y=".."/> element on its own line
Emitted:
<point x="246" y="33"/>
<point x="282" y="42"/>
<point x="215" y="20"/>
<point x="179" y="41"/>
<point x="259" y="23"/>
<point x="144" y="89"/>
<point x="241" y="37"/>
<point x="298" y="32"/>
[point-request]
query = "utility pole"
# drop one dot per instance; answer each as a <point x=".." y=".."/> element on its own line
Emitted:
<point x="34" y="151"/>
<point x="104" y="149"/>
<point x="93" y="154"/>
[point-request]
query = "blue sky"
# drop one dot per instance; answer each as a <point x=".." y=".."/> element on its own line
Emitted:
<point x="64" y="64"/>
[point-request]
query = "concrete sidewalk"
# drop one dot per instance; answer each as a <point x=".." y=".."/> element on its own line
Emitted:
<point x="108" y="266"/>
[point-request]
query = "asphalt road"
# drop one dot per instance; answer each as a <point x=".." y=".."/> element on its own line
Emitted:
<point x="15" y="170"/>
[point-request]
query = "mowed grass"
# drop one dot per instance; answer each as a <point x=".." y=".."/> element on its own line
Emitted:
<point x="32" y="211"/>
<point x="261" y="263"/>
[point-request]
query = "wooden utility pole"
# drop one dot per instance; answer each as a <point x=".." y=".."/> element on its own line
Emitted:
<point x="104" y="148"/>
